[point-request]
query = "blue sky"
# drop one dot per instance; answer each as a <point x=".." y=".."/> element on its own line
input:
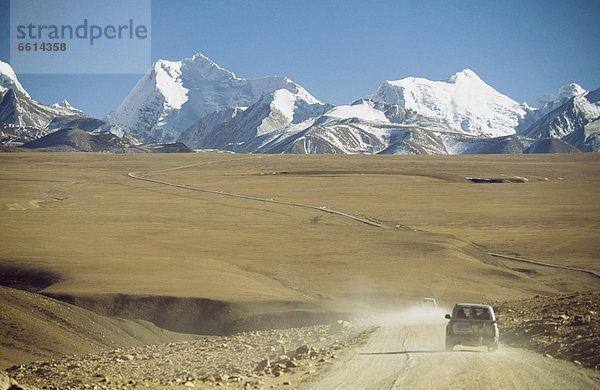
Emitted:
<point x="342" y="50"/>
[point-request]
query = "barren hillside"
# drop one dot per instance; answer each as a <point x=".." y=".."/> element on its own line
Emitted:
<point x="188" y="256"/>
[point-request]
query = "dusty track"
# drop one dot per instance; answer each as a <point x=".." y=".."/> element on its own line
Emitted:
<point x="412" y="357"/>
<point x="140" y="176"/>
<point x="143" y="176"/>
<point x="576" y="269"/>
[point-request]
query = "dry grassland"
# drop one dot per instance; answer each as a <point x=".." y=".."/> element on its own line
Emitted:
<point x="105" y="236"/>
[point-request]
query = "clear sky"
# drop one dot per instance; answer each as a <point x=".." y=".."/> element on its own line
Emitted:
<point x="342" y="50"/>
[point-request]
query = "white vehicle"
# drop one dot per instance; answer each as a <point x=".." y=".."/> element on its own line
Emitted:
<point x="429" y="303"/>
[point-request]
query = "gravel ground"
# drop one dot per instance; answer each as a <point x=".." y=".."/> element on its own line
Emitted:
<point x="564" y="327"/>
<point x="247" y="360"/>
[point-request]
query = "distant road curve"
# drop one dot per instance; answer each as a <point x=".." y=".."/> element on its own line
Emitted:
<point x="139" y="176"/>
<point x="587" y="271"/>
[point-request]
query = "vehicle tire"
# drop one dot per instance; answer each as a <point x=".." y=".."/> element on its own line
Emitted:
<point x="449" y="345"/>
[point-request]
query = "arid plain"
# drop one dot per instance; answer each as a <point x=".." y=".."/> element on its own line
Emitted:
<point x="77" y="227"/>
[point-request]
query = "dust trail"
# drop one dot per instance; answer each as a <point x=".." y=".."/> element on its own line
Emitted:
<point x="415" y="315"/>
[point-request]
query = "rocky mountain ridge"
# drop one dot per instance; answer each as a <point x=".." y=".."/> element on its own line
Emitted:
<point x="174" y="95"/>
<point x="410" y="116"/>
<point x="204" y="106"/>
<point x="24" y="122"/>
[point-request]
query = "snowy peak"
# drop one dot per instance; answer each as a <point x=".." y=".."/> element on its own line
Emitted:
<point x="200" y="67"/>
<point x="576" y="121"/>
<point x="174" y="95"/>
<point x="465" y="76"/>
<point x="24" y="120"/>
<point x="244" y="130"/>
<point x="300" y="92"/>
<point x="197" y="67"/>
<point x="545" y="104"/>
<point x="295" y="106"/>
<point x="285" y="102"/>
<point x="363" y="109"/>
<point x="562" y="95"/>
<point x="206" y="106"/>
<point x="8" y="79"/>
<point x="464" y="101"/>
<point x="167" y="80"/>
<point x="67" y="106"/>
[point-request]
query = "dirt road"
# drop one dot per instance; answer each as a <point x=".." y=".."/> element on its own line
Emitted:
<point x="412" y="356"/>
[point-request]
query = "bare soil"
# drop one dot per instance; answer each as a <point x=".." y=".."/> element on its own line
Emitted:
<point x="151" y="259"/>
<point x="244" y="360"/>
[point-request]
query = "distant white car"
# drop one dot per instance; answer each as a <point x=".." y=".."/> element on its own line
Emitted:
<point x="429" y="303"/>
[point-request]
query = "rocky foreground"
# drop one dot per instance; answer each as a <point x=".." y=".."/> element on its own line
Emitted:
<point x="257" y="359"/>
<point x="564" y="327"/>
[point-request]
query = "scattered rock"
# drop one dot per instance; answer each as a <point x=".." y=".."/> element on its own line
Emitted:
<point x="561" y="327"/>
<point x="7" y="383"/>
<point x="340" y="326"/>
<point x="302" y="350"/>
<point x="4" y="381"/>
<point x="263" y="365"/>
<point x="232" y="361"/>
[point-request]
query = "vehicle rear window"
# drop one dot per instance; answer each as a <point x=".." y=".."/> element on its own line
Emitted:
<point x="473" y="313"/>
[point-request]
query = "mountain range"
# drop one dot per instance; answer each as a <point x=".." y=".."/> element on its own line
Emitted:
<point x="61" y="127"/>
<point x="199" y="104"/>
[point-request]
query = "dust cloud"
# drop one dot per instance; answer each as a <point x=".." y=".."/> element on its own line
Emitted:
<point x="414" y="315"/>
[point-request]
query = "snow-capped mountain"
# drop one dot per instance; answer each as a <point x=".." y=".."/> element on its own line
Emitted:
<point x="576" y="121"/>
<point x="545" y="104"/>
<point x="564" y="93"/>
<point x="65" y="104"/>
<point x="174" y="95"/>
<point x="202" y="134"/>
<point x="362" y="127"/>
<point x="246" y="129"/>
<point x="464" y="102"/>
<point x="8" y="80"/>
<point x="23" y="119"/>
<point x="197" y="102"/>
<point x="18" y="108"/>
<point x="204" y="106"/>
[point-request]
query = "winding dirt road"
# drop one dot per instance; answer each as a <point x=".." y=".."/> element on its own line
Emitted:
<point x="143" y="176"/>
<point x="412" y="356"/>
